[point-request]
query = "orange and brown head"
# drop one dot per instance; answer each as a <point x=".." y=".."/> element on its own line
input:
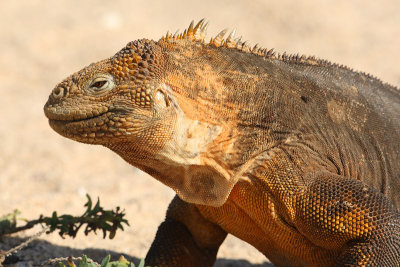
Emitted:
<point x="115" y="101"/>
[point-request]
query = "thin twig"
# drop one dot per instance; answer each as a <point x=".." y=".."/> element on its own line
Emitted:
<point x="27" y="226"/>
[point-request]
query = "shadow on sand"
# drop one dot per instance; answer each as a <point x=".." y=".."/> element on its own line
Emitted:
<point x="39" y="251"/>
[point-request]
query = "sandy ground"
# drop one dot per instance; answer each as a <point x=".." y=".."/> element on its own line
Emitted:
<point x="41" y="42"/>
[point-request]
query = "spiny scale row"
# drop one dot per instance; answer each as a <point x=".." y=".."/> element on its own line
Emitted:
<point x="198" y="33"/>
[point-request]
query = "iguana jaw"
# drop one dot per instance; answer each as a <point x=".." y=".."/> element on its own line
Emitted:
<point x="97" y="124"/>
<point x="78" y="129"/>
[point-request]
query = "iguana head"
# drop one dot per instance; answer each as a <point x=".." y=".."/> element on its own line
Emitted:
<point x="115" y="101"/>
<point x="142" y="104"/>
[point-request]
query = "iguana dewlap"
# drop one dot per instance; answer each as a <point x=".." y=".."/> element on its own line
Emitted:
<point x="297" y="156"/>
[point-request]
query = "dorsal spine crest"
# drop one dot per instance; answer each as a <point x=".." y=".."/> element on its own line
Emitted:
<point x="198" y="34"/>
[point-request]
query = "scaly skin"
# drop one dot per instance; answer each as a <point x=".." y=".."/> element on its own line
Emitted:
<point x="294" y="155"/>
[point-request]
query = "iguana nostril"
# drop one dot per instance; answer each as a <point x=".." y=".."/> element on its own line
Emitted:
<point x="58" y="92"/>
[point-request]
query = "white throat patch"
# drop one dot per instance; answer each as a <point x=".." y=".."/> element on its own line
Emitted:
<point x="192" y="172"/>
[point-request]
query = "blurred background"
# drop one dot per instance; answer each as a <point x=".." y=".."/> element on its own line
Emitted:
<point x="42" y="42"/>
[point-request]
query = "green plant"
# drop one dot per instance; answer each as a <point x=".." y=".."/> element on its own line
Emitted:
<point x="86" y="262"/>
<point x="94" y="218"/>
<point x="8" y="222"/>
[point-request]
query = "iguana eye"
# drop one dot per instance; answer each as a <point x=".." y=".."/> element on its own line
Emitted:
<point x="101" y="84"/>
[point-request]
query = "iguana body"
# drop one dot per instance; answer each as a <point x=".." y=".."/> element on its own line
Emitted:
<point x="296" y="156"/>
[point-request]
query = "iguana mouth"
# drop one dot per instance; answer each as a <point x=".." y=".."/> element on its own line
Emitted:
<point x="83" y="129"/>
<point x="72" y="115"/>
<point x="74" y="126"/>
<point x="71" y="120"/>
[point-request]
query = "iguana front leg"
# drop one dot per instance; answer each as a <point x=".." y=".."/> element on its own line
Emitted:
<point x="340" y="213"/>
<point x="185" y="238"/>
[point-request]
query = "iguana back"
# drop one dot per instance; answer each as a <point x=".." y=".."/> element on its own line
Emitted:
<point x="355" y="121"/>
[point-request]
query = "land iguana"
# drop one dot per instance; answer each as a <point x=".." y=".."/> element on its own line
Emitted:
<point x="295" y="155"/>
